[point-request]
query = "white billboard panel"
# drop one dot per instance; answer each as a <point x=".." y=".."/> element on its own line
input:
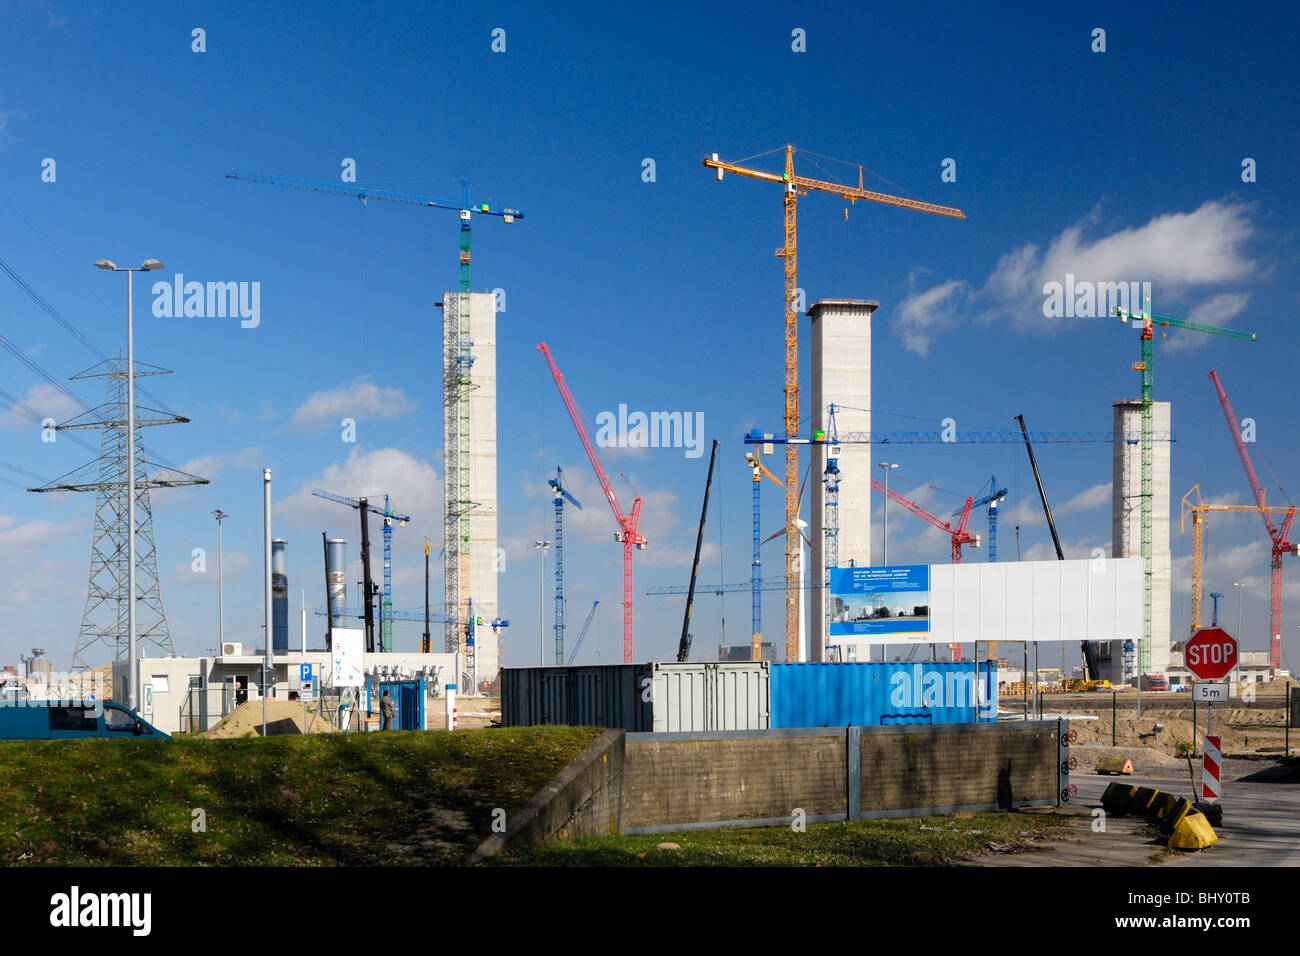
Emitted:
<point x="1095" y="599"/>
<point x="349" y="656"/>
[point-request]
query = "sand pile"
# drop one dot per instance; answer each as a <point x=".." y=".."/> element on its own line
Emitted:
<point x="1131" y="733"/>
<point x="282" y="717"/>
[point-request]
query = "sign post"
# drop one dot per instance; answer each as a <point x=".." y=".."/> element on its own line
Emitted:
<point x="1211" y="654"/>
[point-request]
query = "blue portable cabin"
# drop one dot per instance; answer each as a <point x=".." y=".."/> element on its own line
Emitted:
<point x="24" y="719"/>
<point x="408" y="701"/>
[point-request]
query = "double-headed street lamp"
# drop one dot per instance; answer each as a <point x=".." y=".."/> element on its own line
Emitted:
<point x="149" y="265"/>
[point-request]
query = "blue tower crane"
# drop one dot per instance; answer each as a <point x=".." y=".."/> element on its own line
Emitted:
<point x="561" y="494"/>
<point x="996" y="495"/>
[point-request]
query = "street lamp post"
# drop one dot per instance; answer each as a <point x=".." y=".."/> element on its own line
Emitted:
<point x="886" y="467"/>
<point x="149" y="265"/>
<point x="541" y="603"/>
<point x="221" y="601"/>
<point x="1240" y="587"/>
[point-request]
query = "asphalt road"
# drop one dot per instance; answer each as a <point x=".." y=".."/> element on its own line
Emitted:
<point x="1261" y="823"/>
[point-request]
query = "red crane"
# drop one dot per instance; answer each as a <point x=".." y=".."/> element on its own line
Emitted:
<point x="959" y="533"/>
<point x="627" y="532"/>
<point x="1277" y="535"/>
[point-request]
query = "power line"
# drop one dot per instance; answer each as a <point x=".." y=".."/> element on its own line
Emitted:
<point x="63" y="322"/>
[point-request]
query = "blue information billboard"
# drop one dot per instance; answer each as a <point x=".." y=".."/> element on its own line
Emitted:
<point x="879" y="601"/>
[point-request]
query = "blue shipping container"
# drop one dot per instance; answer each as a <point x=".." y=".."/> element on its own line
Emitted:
<point x="885" y="692"/>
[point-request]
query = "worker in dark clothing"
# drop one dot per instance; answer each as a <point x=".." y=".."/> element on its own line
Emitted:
<point x="386" y="711"/>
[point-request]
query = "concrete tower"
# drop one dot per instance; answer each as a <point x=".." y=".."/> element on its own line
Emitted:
<point x="841" y="374"/>
<point x="1126" y="520"/>
<point x="471" y="421"/>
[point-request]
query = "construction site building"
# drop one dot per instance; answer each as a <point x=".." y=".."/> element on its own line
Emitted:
<point x="476" y="408"/>
<point x="841" y="374"/>
<point x="1126" y="527"/>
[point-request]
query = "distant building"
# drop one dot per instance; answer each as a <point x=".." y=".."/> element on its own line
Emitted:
<point x="743" y="652"/>
<point x="1253" y="667"/>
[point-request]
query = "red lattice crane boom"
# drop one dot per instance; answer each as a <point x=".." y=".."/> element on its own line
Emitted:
<point x="627" y="523"/>
<point x="959" y="534"/>
<point x="1278" y="536"/>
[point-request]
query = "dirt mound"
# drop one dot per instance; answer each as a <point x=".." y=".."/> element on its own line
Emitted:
<point x="282" y="717"/>
<point x="1142" y="733"/>
<point x="1144" y="758"/>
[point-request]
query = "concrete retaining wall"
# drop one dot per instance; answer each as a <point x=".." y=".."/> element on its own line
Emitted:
<point x="702" y="780"/>
<point x="587" y="798"/>
<point x="992" y="767"/>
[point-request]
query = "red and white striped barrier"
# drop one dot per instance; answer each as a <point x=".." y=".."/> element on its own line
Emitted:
<point x="1210" y="787"/>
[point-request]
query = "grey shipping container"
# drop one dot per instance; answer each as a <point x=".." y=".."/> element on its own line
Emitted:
<point x="612" y="695"/>
<point x="725" y="696"/>
<point x="664" y="697"/>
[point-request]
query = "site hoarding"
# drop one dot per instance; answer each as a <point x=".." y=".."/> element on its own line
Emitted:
<point x="1095" y="599"/>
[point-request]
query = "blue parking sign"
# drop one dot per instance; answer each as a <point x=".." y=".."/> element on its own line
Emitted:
<point x="304" y="673"/>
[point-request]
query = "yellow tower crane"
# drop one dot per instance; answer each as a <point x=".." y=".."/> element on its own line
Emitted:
<point x="796" y="186"/>
<point x="1199" y="510"/>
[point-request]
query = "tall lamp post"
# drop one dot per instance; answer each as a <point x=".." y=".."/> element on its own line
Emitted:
<point x="886" y="467"/>
<point x="149" y="265"/>
<point x="1240" y="587"/>
<point x="541" y="603"/>
<point x="221" y="600"/>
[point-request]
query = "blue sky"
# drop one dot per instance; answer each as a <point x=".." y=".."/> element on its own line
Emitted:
<point x="664" y="295"/>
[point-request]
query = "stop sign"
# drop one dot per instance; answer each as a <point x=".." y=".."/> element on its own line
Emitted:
<point x="1211" y="653"/>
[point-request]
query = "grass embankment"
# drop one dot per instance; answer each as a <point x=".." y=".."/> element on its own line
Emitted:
<point x="919" y="841"/>
<point x="354" y="799"/>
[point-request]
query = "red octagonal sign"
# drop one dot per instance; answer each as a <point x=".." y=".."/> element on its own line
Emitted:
<point x="1211" y="653"/>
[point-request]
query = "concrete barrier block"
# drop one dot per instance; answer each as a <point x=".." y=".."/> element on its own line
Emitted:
<point x="1114" y="765"/>
<point x="1143" y="799"/>
<point x="1118" y="797"/>
<point x="1161" y="806"/>
<point x="1193" y="832"/>
<point x="1170" y="819"/>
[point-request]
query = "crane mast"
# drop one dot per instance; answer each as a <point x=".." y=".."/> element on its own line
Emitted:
<point x="560" y="494"/>
<point x="793" y="187"/>
<point x="627" y="523"/>
<point x="1145" y="368"/>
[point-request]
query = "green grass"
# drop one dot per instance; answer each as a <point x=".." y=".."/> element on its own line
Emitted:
<point x="912" y="841"/>
<point x="352" y="799"/>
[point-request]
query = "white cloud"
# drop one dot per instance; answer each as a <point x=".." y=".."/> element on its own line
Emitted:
<point x="1175" y="252"/>
<point x="412" y="485"/>
<point x="209" y="466"/>
<point x="1028" y="512"/>
<point x="33" y="537"/>
<point x="359" y="400"/>
<point x="45" y="400"/>
<point x="1218" y="310"/>
<point x="920" y="315"/>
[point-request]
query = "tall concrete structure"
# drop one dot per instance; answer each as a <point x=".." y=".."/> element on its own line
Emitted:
<point x="841" y="374"/>
<point x="470" y="474"/>
<point x="1126" y="524"/>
